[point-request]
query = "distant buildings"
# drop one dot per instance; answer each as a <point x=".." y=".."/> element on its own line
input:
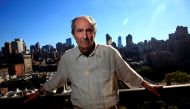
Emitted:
<point x="46" y="58"/>
<point x="16" y="46"/>
<point x="15" y="64"/>
<point x="158" y="53"/>
<point x="170" y="53"/>
<point x="16" y="60"/>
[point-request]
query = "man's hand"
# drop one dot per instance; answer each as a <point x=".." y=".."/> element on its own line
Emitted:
<point x="153" y="89"/>
<point x="32" y="96"/>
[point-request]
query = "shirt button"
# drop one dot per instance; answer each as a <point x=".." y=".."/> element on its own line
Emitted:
<point x="86" y="73"/>
<point x="88" y="62"/>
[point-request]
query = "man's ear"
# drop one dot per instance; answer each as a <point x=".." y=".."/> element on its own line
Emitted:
<point x="94" y="34"/>
<point x="74" y="36"/>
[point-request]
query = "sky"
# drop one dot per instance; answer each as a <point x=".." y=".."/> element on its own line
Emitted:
<point x="48" y="21"/>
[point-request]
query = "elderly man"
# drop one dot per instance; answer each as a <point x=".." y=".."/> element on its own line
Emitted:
<point x="93" y="70"/>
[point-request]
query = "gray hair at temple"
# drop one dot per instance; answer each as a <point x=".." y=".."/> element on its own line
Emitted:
<point x="89" y="18"/>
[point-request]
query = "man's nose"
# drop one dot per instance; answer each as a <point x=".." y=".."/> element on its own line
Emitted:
<point x="85" y="35"/>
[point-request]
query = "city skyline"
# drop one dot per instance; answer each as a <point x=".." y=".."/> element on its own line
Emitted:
<point x="48" y="22"/>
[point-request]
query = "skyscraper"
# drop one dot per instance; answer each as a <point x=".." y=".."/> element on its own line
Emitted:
<point x="120" y="42"/>
<point x="8" y="49"/>
<point x="18" y="46"/>
<point x="68" y="42"/>
<point x="37" y="47"/>
<point x="129" y="40"/>
<point x="108" y="39"/>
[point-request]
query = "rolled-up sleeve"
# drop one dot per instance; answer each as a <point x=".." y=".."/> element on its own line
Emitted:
<point x="125" y="72"/>
<point x="59" y="78"/>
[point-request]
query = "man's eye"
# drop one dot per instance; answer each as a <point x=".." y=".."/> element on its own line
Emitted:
<point x="90" y="30"/>
<point x="79" y="30"/>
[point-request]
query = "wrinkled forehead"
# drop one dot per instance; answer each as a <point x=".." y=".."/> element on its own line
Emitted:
<point x="77" y="21"/>
<point x="87" y="18"/>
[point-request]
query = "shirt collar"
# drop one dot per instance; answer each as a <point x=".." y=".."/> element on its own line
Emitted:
<point x="95" y="52"/>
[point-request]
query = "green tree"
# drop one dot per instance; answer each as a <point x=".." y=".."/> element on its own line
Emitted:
<point x="178" y="77"/>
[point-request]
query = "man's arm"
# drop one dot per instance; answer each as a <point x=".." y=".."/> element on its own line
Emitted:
<point x="152" y="89"/>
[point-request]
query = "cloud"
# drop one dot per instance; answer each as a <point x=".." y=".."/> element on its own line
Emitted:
<point x="125" y="21"/>
<point x="160" y="9"/>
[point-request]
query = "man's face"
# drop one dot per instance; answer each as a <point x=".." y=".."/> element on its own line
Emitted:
<point x="84" y="34"/>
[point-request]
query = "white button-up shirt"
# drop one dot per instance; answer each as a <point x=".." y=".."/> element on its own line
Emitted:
<point x="94" y="79"/>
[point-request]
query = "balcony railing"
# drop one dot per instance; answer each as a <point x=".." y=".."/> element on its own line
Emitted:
<point x="172" y="97"/>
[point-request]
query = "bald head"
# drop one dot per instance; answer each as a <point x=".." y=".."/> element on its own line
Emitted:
<point x="88" y="18"/>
